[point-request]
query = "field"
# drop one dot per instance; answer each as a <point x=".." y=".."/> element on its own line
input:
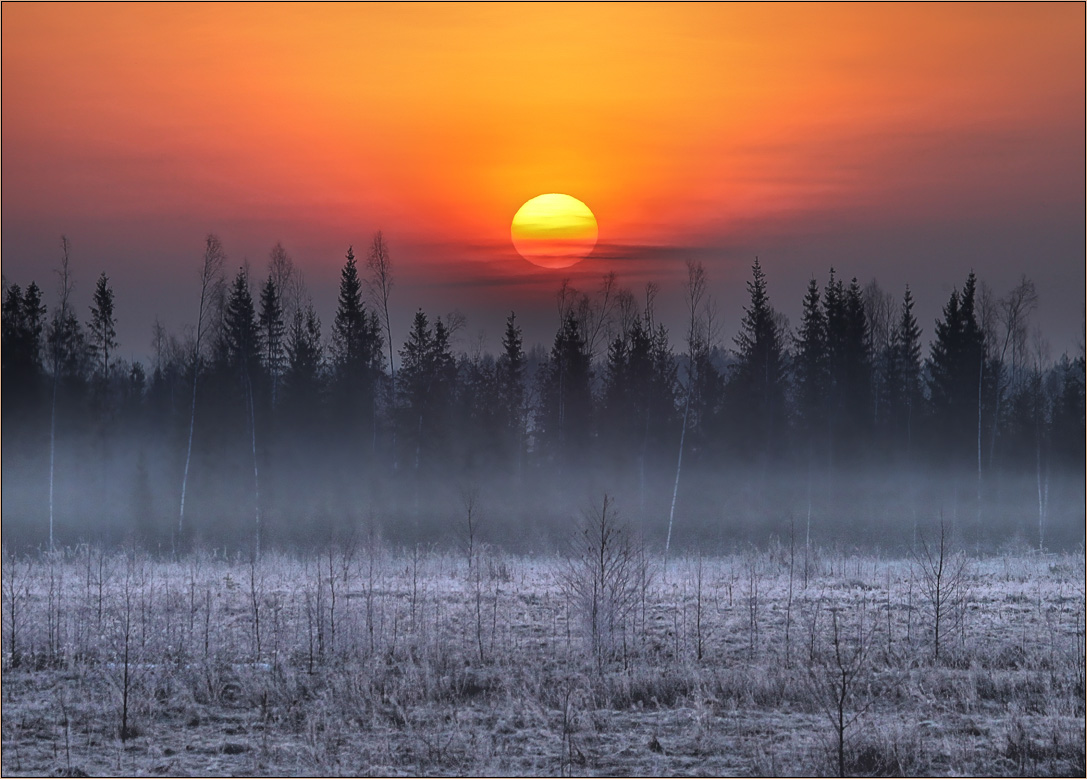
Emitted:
<point x="369" y="660"/>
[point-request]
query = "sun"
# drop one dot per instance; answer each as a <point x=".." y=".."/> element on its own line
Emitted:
<point x="554" y="231"/>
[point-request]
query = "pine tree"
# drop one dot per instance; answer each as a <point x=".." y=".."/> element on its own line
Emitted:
<point x="904" y="382"/>
<point x="303" y="377"/>
<point x="955" y="373"/>
<point x="23" y="372"/>
<point x="272" y="333"/>
<point x="757" y="387"/>
<point x="1068" y="413"/>
<point x="241" y="346"/>
<point x="356" y="360"/>
<point x="103" y="326"/>
<point x="811" y="363"/>
<point x="856" y="372"/>
<point x="240" y="334"/>
<point x="510" y="381"/>
<point x="426" y="385"/>
<point x="566" y="395"/>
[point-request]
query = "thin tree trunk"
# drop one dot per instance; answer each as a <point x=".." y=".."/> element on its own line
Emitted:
<point x="256" y="471"/>
<point x="209" y="276"/>
<point x="679" y="469"/>
<point x="981" y="374"/>
<point x="58" y="327"/>
<point x="188" y="451"/>
<point x="52" y="451"/>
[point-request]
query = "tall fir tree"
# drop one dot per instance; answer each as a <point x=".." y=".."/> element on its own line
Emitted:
<point x="955" y="374"/>
<point x="102" y="327"/>
<point x="810" y="366"/>
<point x="356" y="361"/>
<point x="856" y="372"/>
<point x="902" y="393"/>
<point x="426" y="385"/>
<point x="757" y="386"/>
<point x="272" y="334"/>
<point x="566" y="413"/>
<point x="22" y="352"/>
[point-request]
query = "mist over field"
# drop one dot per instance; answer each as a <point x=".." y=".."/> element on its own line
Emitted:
<point x="264" y="427"/>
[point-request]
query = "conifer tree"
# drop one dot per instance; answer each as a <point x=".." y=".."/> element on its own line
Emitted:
<point x="272" y="333"/>
<point x="356" y="359"/>
<point x="757" y="388"/>
<point x="510" y="388"/>
<point x="103" y="326"/>
<point x="811" y="363"/>
<point x="23" y="372"/>
<point x="906" y="384"/>
<point x="566" y="395"/>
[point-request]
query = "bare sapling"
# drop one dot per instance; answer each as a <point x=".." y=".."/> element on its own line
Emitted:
<point x="789" y="595"/>
<point x="256" y="595"/>
<point x="602" y="578"/>
<point x="331" y="600"/>
<point x="125" y="627"/>
<point x="16" y="593"/>
<point x="469" y="498"/>
<point x="943" y="575"/>
<point x="53" y="611"/>
<point x="373" y="550"/>
<point x="753" y="580"/>
<point x="698" y="609"/>
<point x="839" y="669"/>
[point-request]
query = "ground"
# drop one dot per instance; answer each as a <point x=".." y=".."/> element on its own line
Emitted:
<point x="364" y="660"/>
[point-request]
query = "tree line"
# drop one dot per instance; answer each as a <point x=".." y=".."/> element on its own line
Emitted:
<point x="260" y="389"/>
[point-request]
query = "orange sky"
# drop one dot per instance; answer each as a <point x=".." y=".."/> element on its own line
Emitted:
<point x="723" y="131"/>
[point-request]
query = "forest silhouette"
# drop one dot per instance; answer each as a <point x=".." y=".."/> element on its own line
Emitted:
<point x="262" y="425"/>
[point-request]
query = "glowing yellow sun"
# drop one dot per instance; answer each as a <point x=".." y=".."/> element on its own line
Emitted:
<point x="554" y="231"/>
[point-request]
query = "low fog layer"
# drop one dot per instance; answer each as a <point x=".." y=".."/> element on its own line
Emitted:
<point x="313" y="496"/>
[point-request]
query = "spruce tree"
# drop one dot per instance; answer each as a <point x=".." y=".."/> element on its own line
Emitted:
<point x="426" y="386"/>
<point x="23" y="372"/>
<point x="566" y="394"/>
<point x="757" y="388"/>
<point x="356" y="360"/>
<point x="510" y="379"/>
<point x="907" y="366"/>
<point x="240" y="334"/>
<point x="272" y="333"/>
<point x="955" y="373"/>
<point x="811" y="363"/>
<point x="856" y="372"/>
<point x="103" y="326"/>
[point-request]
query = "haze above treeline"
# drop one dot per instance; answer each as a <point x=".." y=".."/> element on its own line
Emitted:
<point x="279" y="428"/>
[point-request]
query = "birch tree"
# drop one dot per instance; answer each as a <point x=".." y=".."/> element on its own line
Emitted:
<point x="211" y="284"/>
<point x="694" y="294"/>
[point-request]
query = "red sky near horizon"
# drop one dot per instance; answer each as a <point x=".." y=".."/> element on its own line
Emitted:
<point x="862" y="135"/>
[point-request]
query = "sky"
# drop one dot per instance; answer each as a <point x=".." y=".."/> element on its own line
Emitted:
<point x="909" y="143"/>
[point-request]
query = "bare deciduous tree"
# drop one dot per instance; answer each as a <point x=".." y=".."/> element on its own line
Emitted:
<point x="603" y="578"/>
<point x="380" y="285"/>
<point x="943" y="574"/>
<point x="57" y="343"/>
<point x="1013" y="313"/>
<point x="839" y="666"/>
<point x="694" y="293"/>
<point x="211" y="283"/>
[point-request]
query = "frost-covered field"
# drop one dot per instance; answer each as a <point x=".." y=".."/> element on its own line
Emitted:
<point x="366" y="660"/>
